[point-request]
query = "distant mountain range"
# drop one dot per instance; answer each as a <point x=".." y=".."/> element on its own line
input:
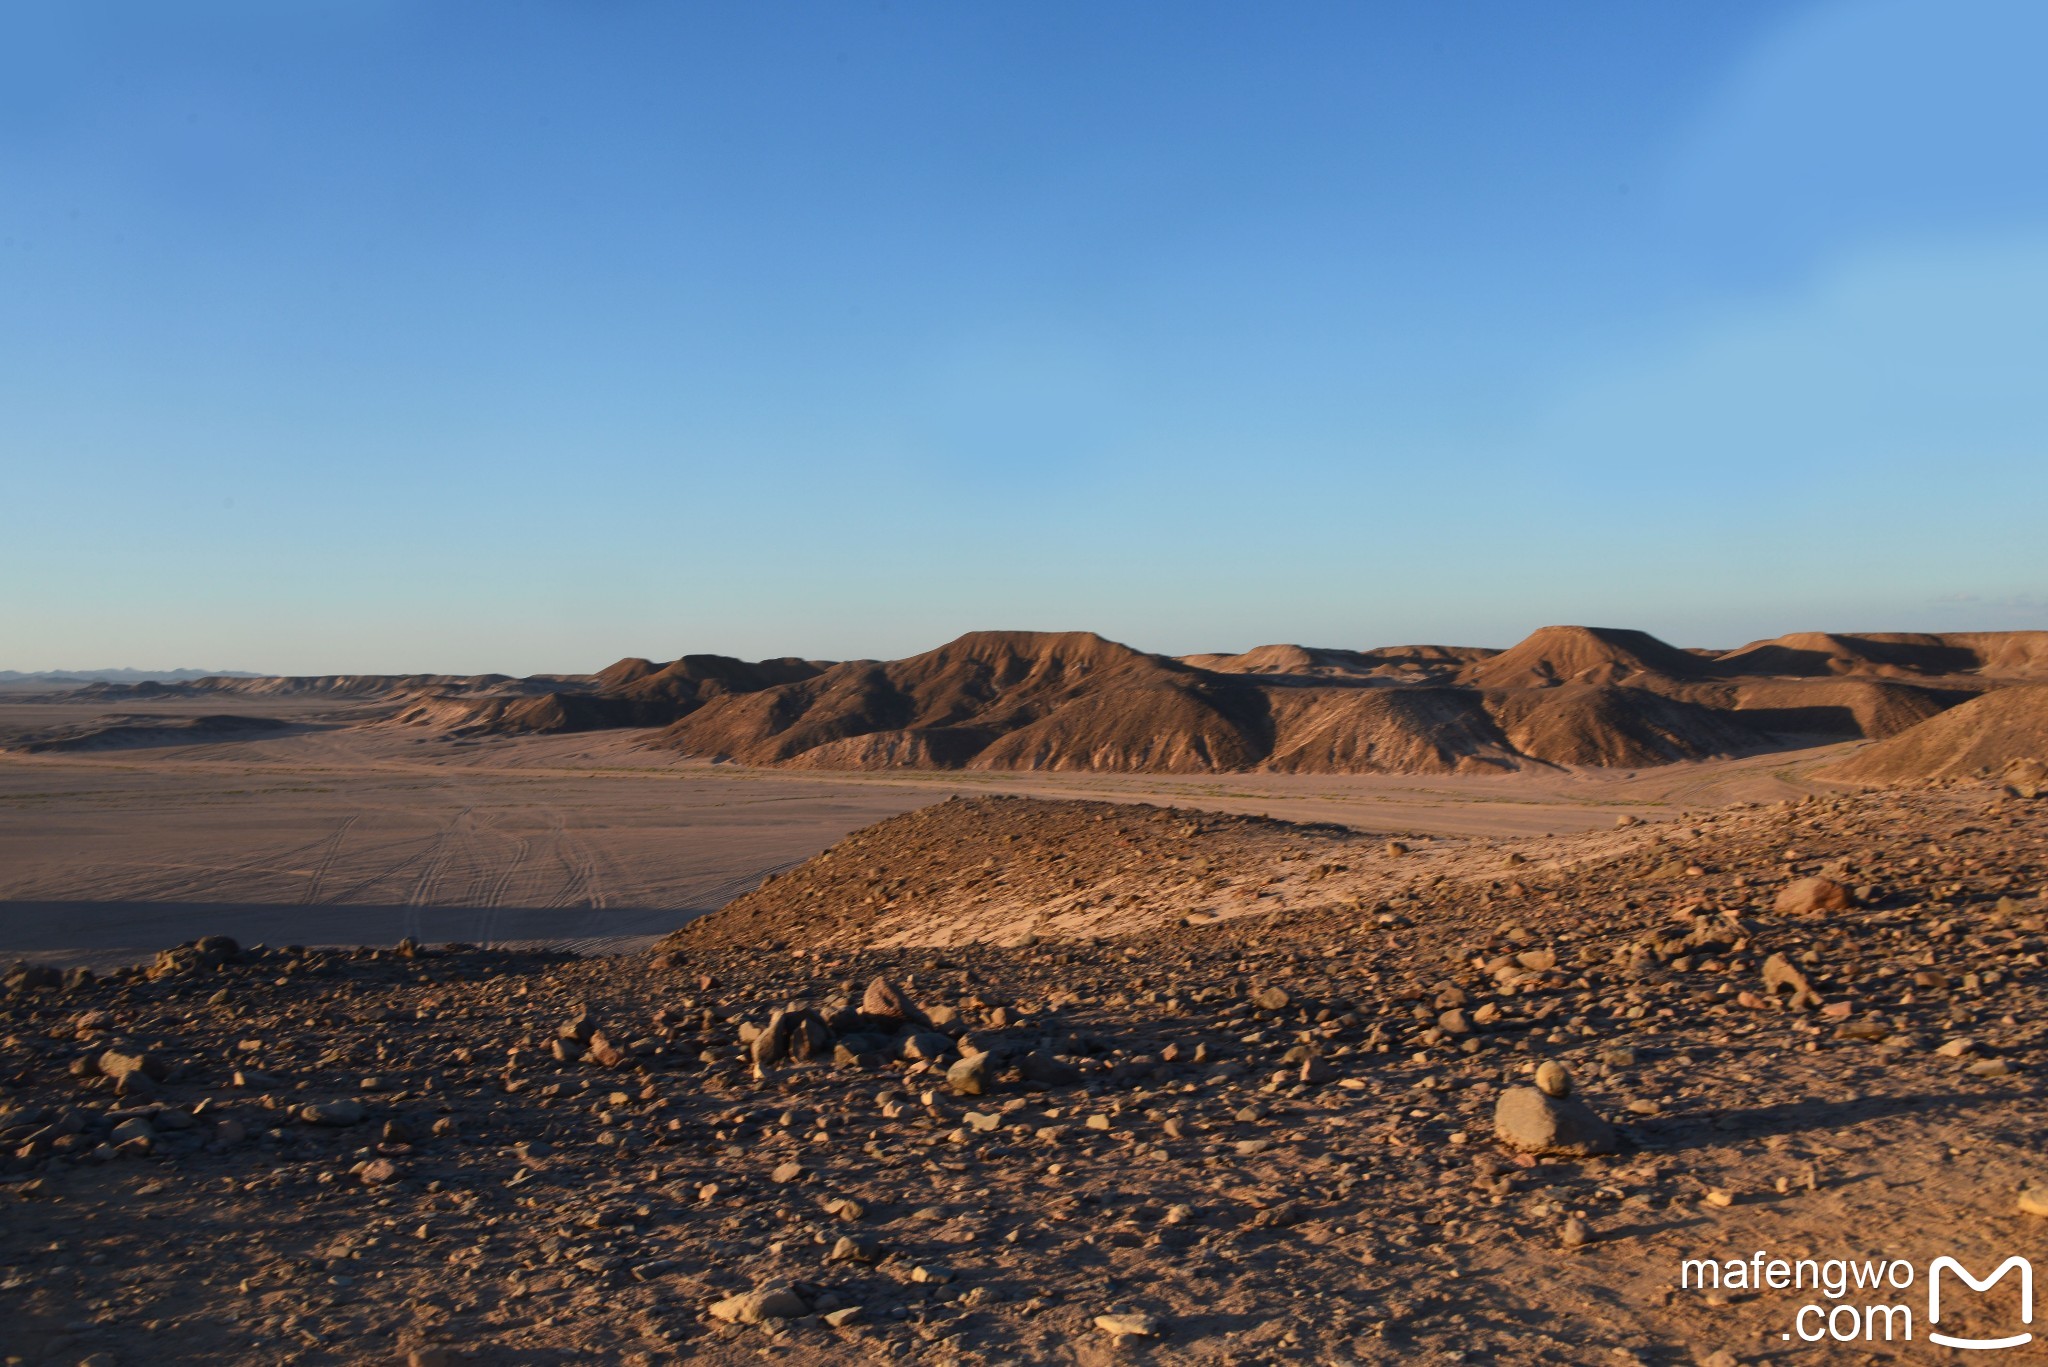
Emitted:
<point x="86" y="676"/>
<point x="1567" y="696"/>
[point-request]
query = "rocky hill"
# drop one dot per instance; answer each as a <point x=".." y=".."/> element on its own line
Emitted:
<point x="2000" y="734"/>
<point x="1585" y="655"/>
<point x="1073" y="701"/>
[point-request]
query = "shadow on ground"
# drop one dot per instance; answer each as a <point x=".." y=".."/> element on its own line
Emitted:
<point x="107" y="934"/>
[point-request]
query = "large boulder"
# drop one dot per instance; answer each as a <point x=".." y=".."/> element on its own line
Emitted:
<point x="133" y="1135"/>
<point x="2030" y="771"/>
<point x="768" y="1303"/>
<point x="972" y="1075"/>
<point x="1535" y="1122"/>
<point x="791" y="1033"/>
<point x="770" y="1045"/>
<point x="334" y="1114"/>
<point x="927" y="1045"/>
<point x="810" y="1037"/>
<point x="884" y="1001"/>
<point x="25" y="978"/>
<point x="1806" y="896"/>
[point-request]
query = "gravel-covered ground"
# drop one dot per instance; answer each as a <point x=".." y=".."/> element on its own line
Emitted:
<point x="1260" y="1130"/>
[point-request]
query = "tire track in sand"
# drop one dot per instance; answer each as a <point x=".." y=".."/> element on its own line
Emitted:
<point x="326" y="861"/>
<point x="490" y="912"/>
<point x="436" y="858"/>
<point x="215" y="881"/>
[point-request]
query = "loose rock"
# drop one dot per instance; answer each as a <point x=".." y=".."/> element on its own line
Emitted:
<point x="346" y="1111"/>
<point x="769" y="1303"/>
<point x="1129" y="1326"/>
<point x="1810" y="895"/>
<point x="1537" y="1122"/>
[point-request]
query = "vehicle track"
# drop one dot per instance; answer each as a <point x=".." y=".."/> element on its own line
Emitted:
<point x="716" y="896"/>
<point x="490" y="908"/>
<point x="436" y="860"/>
<point x="582" y="884"/>
<point x="327" y="857"/>
<point x="199" y="881"/>
<point x="423" y="846"/>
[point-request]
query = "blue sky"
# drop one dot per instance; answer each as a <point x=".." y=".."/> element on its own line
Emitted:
<point x="522" y="337"/>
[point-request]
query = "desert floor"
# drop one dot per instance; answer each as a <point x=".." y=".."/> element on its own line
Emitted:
<point x="336" y="832"/>
<point x="1277" y="1131"/>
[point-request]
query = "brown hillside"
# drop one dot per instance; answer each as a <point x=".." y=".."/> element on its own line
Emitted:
<point x="1408" y="664"/>
<point x="1593" y="724"/>
<point x="1978" y="739"/>
<point x="1162" y="727"/>
<point x="1073" y="701"/>
<point x="631" y="693"/>
<point x="694" y="679"/>
<point x="546" y="714"/>
<point x="626" y="671"/>
<point x="1137" y="710"/>
<point x="2007" y="654"/>
<point x="913" y="747"/>
<point x="1384" y="730"/>
<point x="1436" y="661"/>
<point x="1829" y="709"/>
<point x="1587" y="655"/>
<point x="778" y="724"/>
<point x="1286" y="661"/>
<point x="1815" y="654"/>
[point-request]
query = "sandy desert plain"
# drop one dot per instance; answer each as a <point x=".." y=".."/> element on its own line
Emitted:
<point x="1034" y="999"/>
